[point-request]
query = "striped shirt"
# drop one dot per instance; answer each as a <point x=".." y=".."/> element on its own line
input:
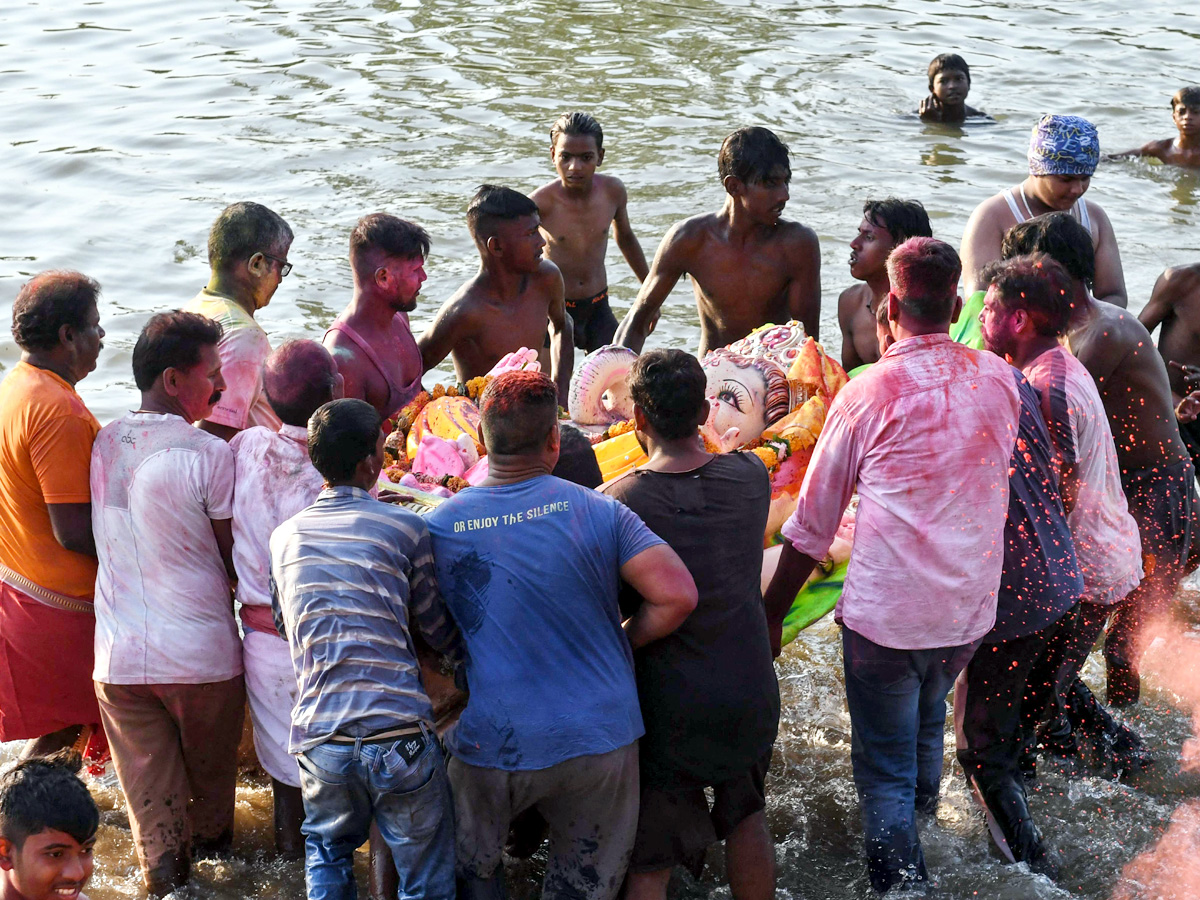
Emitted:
<point x="349" y="577"/>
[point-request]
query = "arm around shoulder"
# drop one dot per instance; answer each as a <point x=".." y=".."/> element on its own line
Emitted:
<point x="668" y="592"/>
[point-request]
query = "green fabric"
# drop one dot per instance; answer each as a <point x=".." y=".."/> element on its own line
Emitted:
<point x="966" y="330"/>
<point x="858" y="370"/>
<point x="815" y="599"/>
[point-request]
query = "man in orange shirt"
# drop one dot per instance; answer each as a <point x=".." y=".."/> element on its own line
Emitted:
<point x="47" y="554"/>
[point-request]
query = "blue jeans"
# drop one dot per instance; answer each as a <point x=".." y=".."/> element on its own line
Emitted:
<point x="345" y="786"/>
<point x="897" y="701"/>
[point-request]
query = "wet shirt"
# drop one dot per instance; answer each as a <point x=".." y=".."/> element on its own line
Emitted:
<point x="164" y="614"/>
<point x="926" y="436"/>
<point x="1106" y="535"/>
<point x="46" y="436"/>
<point x="243" y="349"/>
<point x="352" y="577"/>
<point x="275" y="480"/>
<point x="709" y="695"/>
<point x="1041" y="579"/>
<point x="531" y="572"/>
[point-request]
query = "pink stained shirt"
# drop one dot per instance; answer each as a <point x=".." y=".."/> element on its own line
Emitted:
<point x="926" y="435"/>
<point x="1106" y="536"/>
<point x="275" y="480"/>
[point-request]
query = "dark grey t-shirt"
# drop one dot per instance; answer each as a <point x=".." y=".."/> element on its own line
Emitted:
<point x="709" y="695"/>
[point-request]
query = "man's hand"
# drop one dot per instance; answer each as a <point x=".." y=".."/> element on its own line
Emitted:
<point x="1191" y="378"/>
<point x="1188" y="408"/>
<point x="523" y="360"/>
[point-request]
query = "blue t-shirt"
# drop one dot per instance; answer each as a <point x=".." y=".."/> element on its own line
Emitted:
<point x="1041" y="579"/>
<point x="530" y="572"/>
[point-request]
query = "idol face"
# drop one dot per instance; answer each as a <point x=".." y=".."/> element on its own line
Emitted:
<point x="745" y="396"/>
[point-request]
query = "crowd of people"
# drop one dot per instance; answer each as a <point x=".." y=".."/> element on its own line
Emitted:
<point x="1023" y="487"/>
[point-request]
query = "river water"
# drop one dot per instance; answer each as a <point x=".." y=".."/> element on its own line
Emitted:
<point x="125" y="130"/>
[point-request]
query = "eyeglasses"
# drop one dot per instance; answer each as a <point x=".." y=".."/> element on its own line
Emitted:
<point x="284" y="265"/>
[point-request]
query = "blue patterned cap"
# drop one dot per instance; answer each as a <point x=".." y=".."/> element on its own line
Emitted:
<point x="1063" y="145"/>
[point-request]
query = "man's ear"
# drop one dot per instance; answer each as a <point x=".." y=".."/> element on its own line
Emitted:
<point x="170" y="381"/>
<point x="66" y="335"/>
<point x="893" y="307"/>
<point x="639" y="418"/>
<point x="493" y="246"/>
<point x="705" y="409"/>
<point x="381" y="276"/>
<point x="600" y="157"/>
<point x="1021" y="319"/>
<point x="6" y="854"/>
<point x="958" y="305"/>
<point x="734" y="186"/>
<point x="257" y="264"/>
<point x="554" y="438"/>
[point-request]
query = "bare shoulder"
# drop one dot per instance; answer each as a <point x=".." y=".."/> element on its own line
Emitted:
<point x="546" y="196"/>
<point x="1122" y="325"/>
<point x="1157" y="149"/>
<point x="852" y="298"/>
<point x="796" y="235"/>
<point x="991" y="208"/>
<point x="549" y="276"/>
<point x="1181" y="284"/>
<point x="687" y="236"/>
<point x="612" y="188"/>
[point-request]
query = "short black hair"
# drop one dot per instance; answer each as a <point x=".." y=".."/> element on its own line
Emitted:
<point x="44" y="792"/>
<point x="341" y="434"/>
<point x="577" y="123"/>
<point x="517" y="412"/>
<point x="1186" y="96"/>
<point x="951" y="61"/>
<point x="1036" y="284"/>
<point x="493" y="204"/>
<point x="669" y="386"/>
<point x="391" y="235"/>
<point x="752" y="154"/>
<point x="47" y="302"/>
<point x="902" y="218"/>
<point x="1060" y="237"/>
<point x="924" y="276"/>
<point x="577" y="461"/>
<point x="243" y="229"/>
<point x="171" y="340"/>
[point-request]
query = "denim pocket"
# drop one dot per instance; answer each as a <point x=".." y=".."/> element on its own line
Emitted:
<point x="412" y="799"/>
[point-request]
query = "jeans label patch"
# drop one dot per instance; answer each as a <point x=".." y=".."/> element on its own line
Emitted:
<point x="410" y="747"/>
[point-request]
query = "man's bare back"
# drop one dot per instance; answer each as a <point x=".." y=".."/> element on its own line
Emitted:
<point x="484" y="321"/>
<point x="1132" y="379"/>
<point x="860" y="343"/>
<point x="768" y="274"/>
<point x="387" y="372"/>
<point x="1175" y="305"/>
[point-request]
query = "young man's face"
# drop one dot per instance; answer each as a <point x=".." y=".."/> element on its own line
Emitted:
<point x="1187" y="119"/>
<point x="51" y="865"/>
<point x="576" y="158"/>
<point x="405" y="277"/>
<point x="996" y="325"/>
<point x="869" y="250"/>
<point x="951" y="86"/>
<point x="522" y="242"/>
<point x="765" y="200"/>
<point x="199" y="388"/>
<point x="1060" y="192"/>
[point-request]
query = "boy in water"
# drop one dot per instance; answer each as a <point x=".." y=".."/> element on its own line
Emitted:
<point x="885" y="224"/>
<point x="1185" y="149"/>
<point x="48" y="824"/>
<point x="577" y="211"/>
<point x="1175" y="305"/>
<point x="507" y="305"/>
<point x="949" y="84"/>
<point x="748" y="265"/>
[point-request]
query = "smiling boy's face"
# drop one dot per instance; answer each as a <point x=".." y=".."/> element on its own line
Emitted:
<point x="50" y="865"/>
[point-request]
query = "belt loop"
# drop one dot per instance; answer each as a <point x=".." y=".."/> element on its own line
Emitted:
<point x="358" y="748"/>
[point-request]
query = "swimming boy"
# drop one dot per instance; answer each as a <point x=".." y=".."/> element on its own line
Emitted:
<point x="1185" y="149"/>
<point x="949" y="84"/>
<point x="577" y="211"/>
<point x="748" y="265"/>
<point x="885" y="224"/>
<point x="48" y="824"/>
<point x="508" y="303"/>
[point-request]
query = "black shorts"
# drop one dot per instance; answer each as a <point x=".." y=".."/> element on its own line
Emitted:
<point x="676" y="826"/>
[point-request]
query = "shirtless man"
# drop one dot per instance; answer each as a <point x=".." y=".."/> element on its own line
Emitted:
<point x="748" y="266"/>
<point x="885" y="224"/>
<point x="577" y="211"/>
<point x="1185" y="149"/>
<point x="1156" y="471"/>
<point x="1175" y="305"/>
<point x="508" y="303"/>
<point x="371" y="341"/>
<point x="1063" y="153"/>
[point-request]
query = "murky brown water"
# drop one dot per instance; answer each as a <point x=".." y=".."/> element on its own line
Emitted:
<point x="127" y="124"/>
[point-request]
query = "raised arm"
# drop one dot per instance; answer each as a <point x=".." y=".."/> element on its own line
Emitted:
<point x="1110" y="277"/>
<point x="562" y="335"/>
<point x="668" y="594"/>
<point x="442" y="335"/>
<point x="668" y="267"/>
<point x="1161" y="304"/>
<point x="626" y="240"/>
<point x="804" y="288"/>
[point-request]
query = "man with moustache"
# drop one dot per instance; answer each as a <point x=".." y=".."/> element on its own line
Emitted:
<point x="168" y="659"/>
<point x="371" y="341"/>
